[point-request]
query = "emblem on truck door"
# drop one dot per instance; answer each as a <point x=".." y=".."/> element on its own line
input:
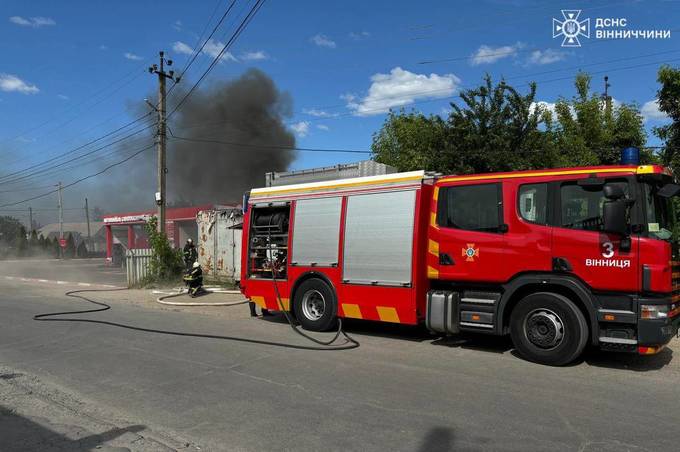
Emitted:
<point x="470" y="252"/>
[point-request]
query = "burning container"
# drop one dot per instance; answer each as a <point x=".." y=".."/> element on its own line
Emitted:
<point x="219" y="242"/>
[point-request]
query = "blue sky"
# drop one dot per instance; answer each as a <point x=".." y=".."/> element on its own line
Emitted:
<point x="344" y="63"/>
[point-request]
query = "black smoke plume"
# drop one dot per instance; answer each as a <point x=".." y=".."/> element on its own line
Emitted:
<point x="248" y="112"/>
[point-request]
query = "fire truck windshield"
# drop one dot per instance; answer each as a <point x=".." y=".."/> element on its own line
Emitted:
<point x="659" y="213"/>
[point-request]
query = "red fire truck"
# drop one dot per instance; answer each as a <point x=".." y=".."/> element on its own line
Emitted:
<point x="557" y="258"/>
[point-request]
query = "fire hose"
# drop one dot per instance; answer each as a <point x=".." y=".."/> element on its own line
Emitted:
<point x="59" y="317"/>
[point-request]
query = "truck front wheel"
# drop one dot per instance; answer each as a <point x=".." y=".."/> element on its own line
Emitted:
<point x="315" y="305"/>
<point x="548" y="328"/>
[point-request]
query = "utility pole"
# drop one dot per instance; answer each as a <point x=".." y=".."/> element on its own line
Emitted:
<point x="607" y="99"/>
<point x="30" y="220"/>
<point x="87" y="218"/>
<point x="161" y="136"/>
<point x="61" y="221"/>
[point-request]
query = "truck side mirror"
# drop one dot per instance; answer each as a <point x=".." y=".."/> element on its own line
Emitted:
<point x="614" y="216"/>
<point x="613" y="192"/>
<point x="669" y="190"/>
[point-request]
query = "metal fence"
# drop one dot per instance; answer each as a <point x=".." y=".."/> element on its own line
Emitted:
<point x="137" y="263"/>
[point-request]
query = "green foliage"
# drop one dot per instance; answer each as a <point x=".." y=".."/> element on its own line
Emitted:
<point x="166" y="262"/>
<point x="668" y="96"/>
<point x="496" y="128"/>
<point x="21" y="243"/>
<point x="70" y="249"/>
<point x="590" y="130"/>
<point x="56" y="248"/>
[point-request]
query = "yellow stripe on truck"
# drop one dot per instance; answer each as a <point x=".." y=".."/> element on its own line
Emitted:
<point x="388" y="314"/>
<point x="259" y="301"/>
<point x="351" y="311"/>
<point x="433" y="247"/>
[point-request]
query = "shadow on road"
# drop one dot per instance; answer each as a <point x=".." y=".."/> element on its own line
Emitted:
<point x="20" y="433"/>
<point x="438" y="439"/>
<point x="629" y="361"/>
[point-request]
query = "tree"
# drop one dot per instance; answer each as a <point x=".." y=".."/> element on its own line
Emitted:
<point x="668" y="97"/>
<point x="21" y="243"/>
<point x="33" y="243"/>
<point x="42" y="244"/>
<point x="591" y="130"/>
<point x="497" y="129"/>
<point x="56" y="248"/>
<point x="411" y="141"/>
<point x="70" y="248"/>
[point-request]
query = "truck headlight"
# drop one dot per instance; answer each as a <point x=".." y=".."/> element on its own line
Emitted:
<point x="654" y="311"/>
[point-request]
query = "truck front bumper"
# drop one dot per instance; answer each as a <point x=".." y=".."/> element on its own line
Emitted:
<point x="653" y="334"/>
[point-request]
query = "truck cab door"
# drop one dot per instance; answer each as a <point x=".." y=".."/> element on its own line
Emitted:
<point x="603" y="260"/>
<point x="469" y="234"/>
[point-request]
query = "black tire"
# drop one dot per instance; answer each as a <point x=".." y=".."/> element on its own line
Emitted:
<point x="536" y="333"/>
<point x="309" y="297"/>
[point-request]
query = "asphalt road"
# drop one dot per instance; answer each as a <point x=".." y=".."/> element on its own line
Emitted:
<point x="401" y="390"/>
<point x="71" y="270"/>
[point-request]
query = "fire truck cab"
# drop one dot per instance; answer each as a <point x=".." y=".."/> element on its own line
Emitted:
<point x="558" y="259"/>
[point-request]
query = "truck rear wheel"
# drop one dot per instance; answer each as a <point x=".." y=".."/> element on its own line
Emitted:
<point x="315" y="305"/>
<point x="548" y="328"/>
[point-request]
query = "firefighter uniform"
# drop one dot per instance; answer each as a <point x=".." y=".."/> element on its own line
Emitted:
<point x="190" y="254"/>
<point x="194" y="279"/>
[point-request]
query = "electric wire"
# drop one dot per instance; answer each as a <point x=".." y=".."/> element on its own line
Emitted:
<point x="244" y="23"/>
<point x="263" y="146"/>
<point x="82" y="179"/>
<point x="76" y="149"/>
<point x="41" y="171"/>
<point x="197" y="51"/>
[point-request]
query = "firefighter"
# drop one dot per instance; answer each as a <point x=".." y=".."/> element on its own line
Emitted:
<point x="193" y="278"/>
<point x="190" y="254"/>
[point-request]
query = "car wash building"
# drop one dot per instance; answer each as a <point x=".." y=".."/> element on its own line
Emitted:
<point x="125" y="231"/>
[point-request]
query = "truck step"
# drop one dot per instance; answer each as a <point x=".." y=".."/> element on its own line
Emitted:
<point x="480" y="298"/>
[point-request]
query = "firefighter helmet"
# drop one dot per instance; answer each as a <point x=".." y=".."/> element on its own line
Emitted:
<point x="190" y="241"/>
<point x="196" y="265"/>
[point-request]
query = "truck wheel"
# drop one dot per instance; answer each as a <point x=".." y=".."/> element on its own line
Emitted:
<point x="548" y="328"/>
<point x="315" y="305"/>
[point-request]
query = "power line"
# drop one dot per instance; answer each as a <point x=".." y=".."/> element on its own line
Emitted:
<point x="244" y="23"/>
<point x="267" y="146"/>
<point x="16" y="179"/>
<point x="4" y="176"/>
<point x="538" y="82"/>
<point x="197" y="51"/>
<point x="82" y="179"/>
<point x="74" y="106"/>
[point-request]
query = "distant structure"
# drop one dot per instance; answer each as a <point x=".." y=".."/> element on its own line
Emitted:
<point x="341" y="171"/>
<point x="78" y="231"/>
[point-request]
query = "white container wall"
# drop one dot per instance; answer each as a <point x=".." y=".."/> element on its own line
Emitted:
<point x="219" y="242"/>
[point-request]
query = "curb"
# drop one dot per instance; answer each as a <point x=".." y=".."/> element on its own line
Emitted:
<point x="64" y="283"/>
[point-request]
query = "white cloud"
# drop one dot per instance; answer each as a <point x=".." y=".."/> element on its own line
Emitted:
<point x="12" y="83"/>
<point x="301" y="128"/>
<point x="254" y="56"/>
<point x="35" y="22"/>
<point x="182" y="48"/>
<point x="487" y="54"/>
<point x="542" y="106"/>
<point x="323" y="41"/>
<point x="650" y="111"/>
<point x="177" y="25"/>
<point x="400" y="87"/>
<point x="132" y="56"/>
<point x="547" y="56"/>
<point x="63" y="96"/>
<point x="318" y="113"/>
<point x="323" y="127"/>
<point x="213" y="48"/>
<point x="359" y="35"/>
<point x="103" y="47"/>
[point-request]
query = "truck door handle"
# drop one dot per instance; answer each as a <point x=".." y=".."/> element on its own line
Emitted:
<point x="445" y="259"/>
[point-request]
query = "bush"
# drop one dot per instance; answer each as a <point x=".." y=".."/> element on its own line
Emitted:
<point x="166" y="262"/>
